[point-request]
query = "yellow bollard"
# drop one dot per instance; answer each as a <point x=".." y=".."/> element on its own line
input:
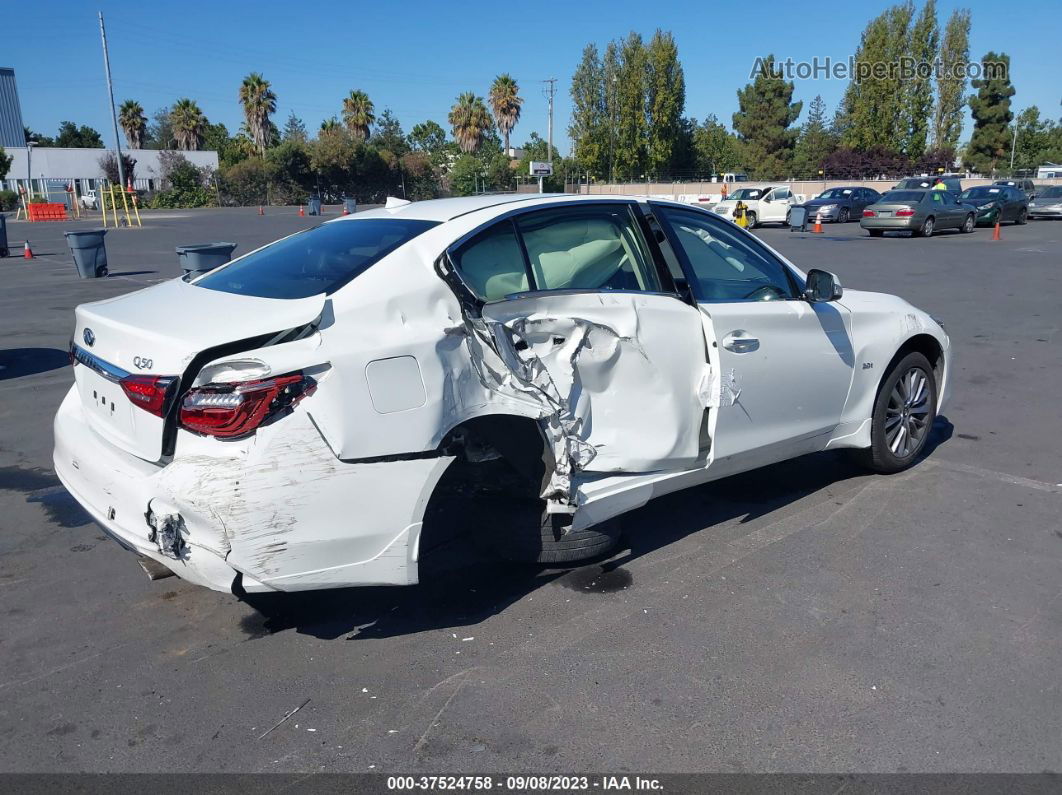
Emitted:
<point x="136" y="210"/>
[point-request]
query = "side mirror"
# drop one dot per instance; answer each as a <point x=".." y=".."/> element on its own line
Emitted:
<point x="821" y="287"/>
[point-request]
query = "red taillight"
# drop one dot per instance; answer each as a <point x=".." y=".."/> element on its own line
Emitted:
<point x="152" y="393"/>
<point x="869" y="214"/>
<point x="228" y="410"/>
<point x="904" y="213"/>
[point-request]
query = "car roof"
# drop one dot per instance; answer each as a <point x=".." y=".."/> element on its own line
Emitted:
<point x="447" y="209"/>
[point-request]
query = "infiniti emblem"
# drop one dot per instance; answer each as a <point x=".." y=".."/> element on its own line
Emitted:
<point x="89" y="337"/>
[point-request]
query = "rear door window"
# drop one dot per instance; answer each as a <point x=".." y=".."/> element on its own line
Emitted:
<point x="492" y="263"/>
<point x="319" y="260"/>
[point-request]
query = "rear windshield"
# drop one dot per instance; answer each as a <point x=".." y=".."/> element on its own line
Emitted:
<point x="1051" y="193"/>
<point x="746" y="193"/>
<point x="983" y="192"/>
<point x="913" y="183"/>
<point x="903" y="196"/>
<point x="319" y="260"/>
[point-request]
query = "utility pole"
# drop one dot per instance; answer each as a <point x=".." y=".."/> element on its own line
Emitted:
<point x="549" y="91"/>
<point x="110" y="97"/>
<point x="1013" y="146"/>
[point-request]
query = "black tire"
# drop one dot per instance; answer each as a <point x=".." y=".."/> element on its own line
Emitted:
<point x="751" y="217"/>
<point x="788" y="217"/>
<point x="969" y="224"/>
<point x="879" y="457"/>
<point x="876" y="232"/>
<point x="101" y="271"/>
<point x="926" y="230"/>
<point x="1023" y="217"/>
<point x="534" y="536"/>
<point x="843" y="216"/>
<point x="4" y="252"/>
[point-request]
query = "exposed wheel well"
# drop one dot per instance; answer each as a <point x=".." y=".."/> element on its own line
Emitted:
<point x="925" y="344"/>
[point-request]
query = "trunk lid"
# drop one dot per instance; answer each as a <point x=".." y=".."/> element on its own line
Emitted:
<point x="160" y="331"/>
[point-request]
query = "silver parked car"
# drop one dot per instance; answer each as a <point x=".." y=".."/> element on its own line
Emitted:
<point x="1047" y="204"/>
<point x="920" y="212"/>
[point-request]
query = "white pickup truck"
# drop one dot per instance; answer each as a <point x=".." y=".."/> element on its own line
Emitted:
<point x="765" y="204"/>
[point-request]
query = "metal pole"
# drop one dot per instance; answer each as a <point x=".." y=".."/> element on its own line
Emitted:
<point x="110" y="97"/>
<point x="29" y="175"/>
<point x="1013" y="146"/>
<point x="551" y="89"/>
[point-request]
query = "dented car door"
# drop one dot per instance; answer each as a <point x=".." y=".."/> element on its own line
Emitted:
<point x="785" y="365"/>
<point x="573" y="305"/>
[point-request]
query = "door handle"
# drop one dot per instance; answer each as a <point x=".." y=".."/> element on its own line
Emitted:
<point x="740" y="342"/>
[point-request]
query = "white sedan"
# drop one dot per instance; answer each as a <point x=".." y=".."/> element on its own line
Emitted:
<point x="524" y="369"/>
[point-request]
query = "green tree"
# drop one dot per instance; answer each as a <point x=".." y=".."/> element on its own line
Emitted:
<point x="631" y="120"/>
<point x="588" y="127"/>
<point x="331" y="125"/>
<point x="717" y="149"/>
<point x="73" y="137"/>
<point x="814" y="143"/>
<point x="665" y="101"/>
<point x="925" y="40"/>
<point x="5" y="163"/>
<point x="765" y="111"/>
<point x="358" y="114"/>
<point x="610" y="74"/>
<point x="505" y="102"/>
<point x="290" y="172"/>
<point x="992" y="115"/>
<point x="951" y="82"/>
<point x="160" y="130"/>
<point x="427" y="137"/>
<point x="259" y="103"/>
<point x="188" y="123"/>
<point x="389" y="136"/>
<point x="1035" y="137"/>
<point x="875" y="103"/>
<point x="294" y="130"/>
<point x="133" y="122"/>
<point x="470" y="121"/>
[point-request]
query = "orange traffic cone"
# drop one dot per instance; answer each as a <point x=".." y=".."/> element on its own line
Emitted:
<point x="261" y="210"/>
<point x="27" y="253"/>
<point x="302" y="212"/>
<point x="995" y="232"/>
<point x="345" y="212"/>
<point x="818" y="225"/>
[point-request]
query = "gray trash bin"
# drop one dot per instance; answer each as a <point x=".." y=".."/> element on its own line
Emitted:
<point x="90" y="254"/>
<point x="314" y="205"/>
<point x="3" y="236"/>
<point x="350" y="205"/>
<point x="202" y="257"/>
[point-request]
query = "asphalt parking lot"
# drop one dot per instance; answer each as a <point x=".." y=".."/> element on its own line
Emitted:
<point x="807" y="617"/>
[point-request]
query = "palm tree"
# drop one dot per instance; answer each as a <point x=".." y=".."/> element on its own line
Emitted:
<point x="505" y="102"/>
<point x="470" y="121"/>
<point x="188" y="124"/>
<point x="134" y="123"/>
<point x="357" y="114"/>
<point x="330" y="125"/>
<point x="259" y="103"/>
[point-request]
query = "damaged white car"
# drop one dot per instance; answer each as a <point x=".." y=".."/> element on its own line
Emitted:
<point x="323" y="411"/>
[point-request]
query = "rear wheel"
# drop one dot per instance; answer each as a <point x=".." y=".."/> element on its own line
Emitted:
<point x="926" y="230"/>
<point x="4" y="252"/>
<point x="968" y="224"/>
<point x="904" y="411"/>
<point x="842" y="217"/>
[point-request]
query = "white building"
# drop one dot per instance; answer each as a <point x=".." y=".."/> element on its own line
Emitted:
<point x="51" y="169"/>
<point x="1048" y="171"/>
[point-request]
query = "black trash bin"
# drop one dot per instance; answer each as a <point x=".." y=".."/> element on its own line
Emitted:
<point x="3" y="236"/>
<point x="315" y="205"/>
<point x="202" y="257"/>
<point x="90" y="254"/>
<point x="350" y="205"/>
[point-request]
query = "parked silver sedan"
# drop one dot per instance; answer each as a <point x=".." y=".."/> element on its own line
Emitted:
<point x="920" y="212"/>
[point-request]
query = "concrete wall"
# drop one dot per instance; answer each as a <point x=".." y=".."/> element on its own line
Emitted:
<point x="691" y="191"/>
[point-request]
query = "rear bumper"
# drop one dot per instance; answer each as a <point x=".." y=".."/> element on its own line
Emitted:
<point x="903" y="224"/>
<point x="279" y="508"/>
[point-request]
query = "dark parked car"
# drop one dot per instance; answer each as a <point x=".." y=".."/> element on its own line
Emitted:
<point x="841" y="204"/>
<point x="997" y="203"/>
<point x="1047" y="204"/>
<point x="1027" y="186"/>
<point x="920" y="212"/>
<point x="952" y="184"/>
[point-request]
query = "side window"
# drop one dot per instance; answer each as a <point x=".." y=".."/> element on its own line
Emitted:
<point x="587" y="248"/>
<point x="724" y="266"/>
<point x="781" y="193"/>
<point x="936" y="197"/>
<point x="492" y="263"/>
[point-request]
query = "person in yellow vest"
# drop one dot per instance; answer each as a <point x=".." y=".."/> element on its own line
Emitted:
<point x="740" y="214"/>
<point x="939" y="185"/>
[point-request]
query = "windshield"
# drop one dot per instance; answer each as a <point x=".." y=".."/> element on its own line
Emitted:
<point x="746" y="194"/>
<point x="1054" y="192"/>
<point x="983" y="192"/>
<point x="835" y="193"/>
<point x="319" y="260"/>
<point x="903" y="196"/>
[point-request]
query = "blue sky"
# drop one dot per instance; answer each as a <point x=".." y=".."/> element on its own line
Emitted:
<point x="415" y="57"/>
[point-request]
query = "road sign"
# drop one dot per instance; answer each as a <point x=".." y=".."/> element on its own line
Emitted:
<point x="541" y="168"/>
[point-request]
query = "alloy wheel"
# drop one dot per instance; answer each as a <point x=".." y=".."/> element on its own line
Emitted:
<point x="906" y="416"/>
<point x="927" y="228"/>
<point x="843" y="217"/>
